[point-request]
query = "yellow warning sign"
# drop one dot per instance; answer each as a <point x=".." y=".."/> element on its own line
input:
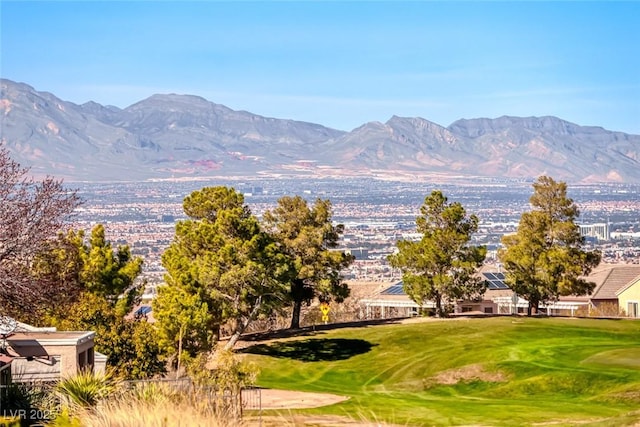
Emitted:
<point x="324" y="307"/>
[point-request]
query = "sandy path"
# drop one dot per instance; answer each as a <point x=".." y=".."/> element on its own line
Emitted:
<point x="282" y="400"/>
<point x="288" y="399"/>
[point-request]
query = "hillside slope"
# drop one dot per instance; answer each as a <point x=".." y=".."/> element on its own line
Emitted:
<point x="500" y="371"/>
<point x="187" y="136"/>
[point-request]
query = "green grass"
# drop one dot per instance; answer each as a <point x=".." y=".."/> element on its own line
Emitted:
<point x="509" y="371"/>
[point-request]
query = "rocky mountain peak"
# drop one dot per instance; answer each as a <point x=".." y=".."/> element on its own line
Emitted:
<point x="174" y="102"/>
<point x="189" y="136"/>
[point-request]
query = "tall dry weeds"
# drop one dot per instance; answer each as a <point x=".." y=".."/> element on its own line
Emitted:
<point x="139" y="413"/>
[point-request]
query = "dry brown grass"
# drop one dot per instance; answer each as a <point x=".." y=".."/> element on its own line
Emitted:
<point x="157" y="405"/>
<point x="120" y="413"/>
<point x="475" y="372"/>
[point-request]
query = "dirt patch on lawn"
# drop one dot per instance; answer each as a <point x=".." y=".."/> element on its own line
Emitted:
<point x="281" y="401"/>
<point x="288" y="399"/>
<point x="296" y="420"/>
<point x="475" y="372"/>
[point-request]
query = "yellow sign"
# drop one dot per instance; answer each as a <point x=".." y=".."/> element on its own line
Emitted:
<point x="324" y="307"/>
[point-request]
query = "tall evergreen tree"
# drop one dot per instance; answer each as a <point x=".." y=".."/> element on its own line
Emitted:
<point x="183" y="322"/>
<point x="110" y="273"/>
<point x="308" y="236"/>
<point x="106" y="289"/>
<point x="441" y="266"/>
<point x="545" y="258"/>
<point x="221" y="255"/>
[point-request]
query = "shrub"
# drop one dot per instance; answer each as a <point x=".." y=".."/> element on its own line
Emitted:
<point x="85" y="389"/>
<point x="9" y="422"/>
<point x="607" y="309"/>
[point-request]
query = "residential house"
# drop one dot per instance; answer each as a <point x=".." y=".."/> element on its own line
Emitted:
<point x="45" y="354"/>
<point x="629" y="297"/>
<point x="617" y="292"/>
<point x="5" y="370"/>
<point x="610" y="280"/>
<point x="393" y="302"/>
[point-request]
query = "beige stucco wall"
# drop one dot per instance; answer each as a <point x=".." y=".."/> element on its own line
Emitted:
<point x="48" y="361"/>
<point x="69" y="353"/>
<point x="100" y="363"/>
<point x="631" y="294"/>
<point x="39" y="369"/>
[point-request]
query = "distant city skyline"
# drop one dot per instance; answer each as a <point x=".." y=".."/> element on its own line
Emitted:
<point x="339" y="64"/>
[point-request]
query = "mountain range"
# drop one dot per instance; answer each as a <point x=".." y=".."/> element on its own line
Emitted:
<point x="185" y="136"/>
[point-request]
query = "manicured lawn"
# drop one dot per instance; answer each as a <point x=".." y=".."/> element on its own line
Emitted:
<point x="493" y="372"/>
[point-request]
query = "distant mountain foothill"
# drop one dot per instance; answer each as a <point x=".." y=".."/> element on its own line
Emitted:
<point x="182" y="136"/>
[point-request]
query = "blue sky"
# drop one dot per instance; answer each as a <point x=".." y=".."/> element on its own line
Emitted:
<point x="338" y="63"/>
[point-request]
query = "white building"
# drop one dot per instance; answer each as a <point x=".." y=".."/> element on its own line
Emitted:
<point x="599" y="231"/>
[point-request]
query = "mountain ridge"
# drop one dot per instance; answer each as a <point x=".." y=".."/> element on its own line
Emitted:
<point x="173" y="135"/>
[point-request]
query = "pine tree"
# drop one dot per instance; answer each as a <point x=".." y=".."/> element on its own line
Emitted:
<point x="441" y="266"/>
<point x="545" y="259"/>
<point x="309" y="238"/>
<point x="220" y="255"/>
<point x="106" y="289"/>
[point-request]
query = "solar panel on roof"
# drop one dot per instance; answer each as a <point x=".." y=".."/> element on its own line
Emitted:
<point x="145" y="309"/>
<point x="495" y="280"/>
<point x="497" y="276"/>
<point x="398" y="290"/>
<point x="393" y="290"/>
<point x="489" y="276"/>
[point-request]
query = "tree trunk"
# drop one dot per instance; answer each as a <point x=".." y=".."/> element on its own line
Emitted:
<point x="297" y="290"/>
<point x="179" y="352"/>
<point x="439" y="306"/>
<point x="233" y="339"/>
<point x="241" y="325"/>
<point x="295" y="317"/>
<point x="533" y="305"/>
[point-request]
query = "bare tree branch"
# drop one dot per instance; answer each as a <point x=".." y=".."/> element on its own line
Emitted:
<point x="31" y="213"/>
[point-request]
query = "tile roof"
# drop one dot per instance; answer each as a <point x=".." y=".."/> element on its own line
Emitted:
<point x="633" y="281"/>
<point x="611" y="279"/>
<point x="5" y="359"/>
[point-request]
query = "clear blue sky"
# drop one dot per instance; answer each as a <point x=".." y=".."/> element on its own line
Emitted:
<point x="337" y="63"/>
